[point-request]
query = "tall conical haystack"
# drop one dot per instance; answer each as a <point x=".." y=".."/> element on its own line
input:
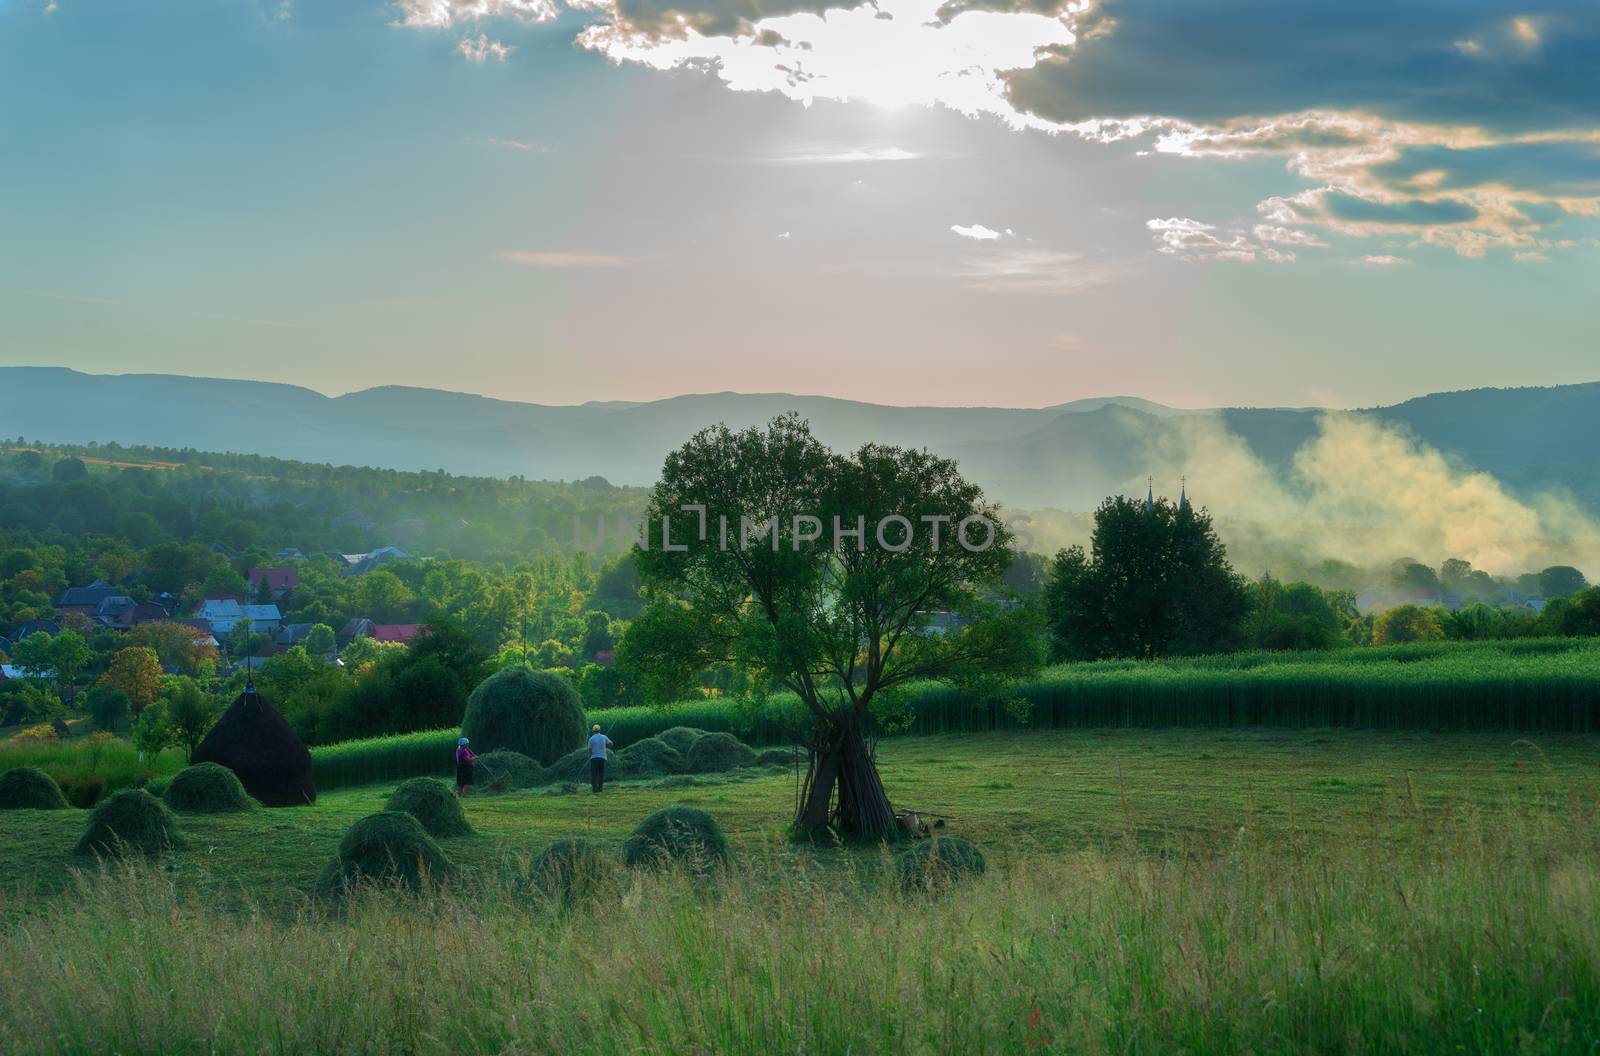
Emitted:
<point x="257" y="743"/>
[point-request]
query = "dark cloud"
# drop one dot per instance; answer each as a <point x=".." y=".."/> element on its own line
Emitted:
<point x="1458" y="62"/>
<point x="1565" y="169"/>
<point x="1413" y="213"/>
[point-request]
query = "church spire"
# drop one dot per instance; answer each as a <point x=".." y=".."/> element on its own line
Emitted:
<point x="1183" y="492"/>
<point x="1149" y="494"/>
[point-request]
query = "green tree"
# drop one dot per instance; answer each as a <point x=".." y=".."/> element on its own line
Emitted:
<point x="842" y="627"/>
<point x="188" y="712"/>
<point x="1154" y="582"/>
<point x="320" y="640"/>
<point x="69" y="655"/>
<point x="1581" y="618"/>
<point x="152" y="734"/>
<point x="68" y="469"/>
<point x="1561" y="581"/>
<point x="108" y="707"/>
<point x="1406" y="623"/>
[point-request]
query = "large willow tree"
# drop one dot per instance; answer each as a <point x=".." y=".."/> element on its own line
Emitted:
<point x="742" y="565"/>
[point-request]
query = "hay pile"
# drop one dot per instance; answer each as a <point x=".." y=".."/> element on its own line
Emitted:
<point x="387" y="848"/>
<point x="514" y="768"/>
<point x="651" y="757"/>
<point x="29" y="788"/>
<point x="938" y="863"/>
<point x="573" y="869"/>
<point x="681" y="738"/>
<point x="574" y="766"/>
<point x="256" y="742"/>
<point x="131" y="822"/>
<point x="776" y="757"/>
<point x="206" y="788"/>
<point x="538" y="715"/>
<point x="715" y="753"/>
<point x="431" y="802"/>
<point x="677" y="835"/>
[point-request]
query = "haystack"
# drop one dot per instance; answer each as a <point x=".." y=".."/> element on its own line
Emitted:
<point x="514" y="769"/>
<point x="431" y="802"/>
<point x="938" y="863"/>
<point x="29" y="788"/>
<point x="256" y="742"/>
<point x="525" y="711"/>
<point x="718" y="752"/>
<point x="681" y="738"/>
<point x="387" y="848"/>
<point x="677" y="835"/>
<point x="651" y="757"/>
<point x="130" y="822"/>
<point x="207" y="788"/>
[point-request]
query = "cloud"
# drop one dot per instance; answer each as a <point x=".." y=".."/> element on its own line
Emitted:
<point x="1209" y="64"/>
<point x="1462" y="117"/>
<point x="518" y="144"/>
<point x="977" y="232"/>
<point x="891" y="53"/>
<point x="1383" y="260"/>
<point x="1187" y="239"/>
<point x="1040" y="271"/>
<point x="481" y="49"/>
<point x="562" y="260"/>
<point x="442" y="14"/>
<point x="839" y="155"/>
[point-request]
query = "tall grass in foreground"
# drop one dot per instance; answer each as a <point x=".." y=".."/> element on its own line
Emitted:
<point x="1465" y="935"/>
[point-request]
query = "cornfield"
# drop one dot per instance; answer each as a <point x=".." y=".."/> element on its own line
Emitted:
<point x="1530" y="685"/>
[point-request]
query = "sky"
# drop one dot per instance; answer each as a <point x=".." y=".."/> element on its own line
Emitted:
<point x="1000" y="202"/>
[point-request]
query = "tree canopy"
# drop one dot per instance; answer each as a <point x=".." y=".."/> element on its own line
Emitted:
<point x="1153" y="582"/>
<point x="838" y="577"/>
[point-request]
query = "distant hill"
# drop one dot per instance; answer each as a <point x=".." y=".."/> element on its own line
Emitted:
<point x="1067" y="456"/>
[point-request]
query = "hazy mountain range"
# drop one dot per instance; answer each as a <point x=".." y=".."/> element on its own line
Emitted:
<point x="1067" y="456"/>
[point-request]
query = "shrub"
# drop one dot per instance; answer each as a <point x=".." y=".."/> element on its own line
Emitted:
<point x="716" y="752"/>
<point x="29" y="788"/>
<point x="514" y="769"/>
<point x="677" y="834"/>
<point x="651" y="757"/>
<point x="531" y="712"/>
<point x="431" y="802"/>
<point x="256" y="742"/>
<point x="207" y="788"/>
<point x="387" y="848"/>
<point x="83" y="790"/>
<point x="938" y="862"/>
<point x="108" y="706"/>
<point x="573" y="869"/>
<point x="680" y="738"/>
<point x="131" y="822"/>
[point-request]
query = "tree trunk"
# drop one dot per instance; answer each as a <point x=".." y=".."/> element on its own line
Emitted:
<point x="842" y="764"/>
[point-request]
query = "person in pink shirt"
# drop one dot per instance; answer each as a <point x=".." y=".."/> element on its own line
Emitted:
<point x="464" y="761"/>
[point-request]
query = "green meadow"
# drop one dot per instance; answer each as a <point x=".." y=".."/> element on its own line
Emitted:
<point x="1148" y="891"/>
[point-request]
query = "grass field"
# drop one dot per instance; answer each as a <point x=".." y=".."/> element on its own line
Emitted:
<point x="1148" y="892"/>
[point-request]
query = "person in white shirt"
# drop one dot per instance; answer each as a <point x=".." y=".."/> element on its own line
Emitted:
<point x="598" y="743"/>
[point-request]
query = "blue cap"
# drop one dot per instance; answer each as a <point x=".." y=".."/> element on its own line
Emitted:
<point x="463" y="741"/>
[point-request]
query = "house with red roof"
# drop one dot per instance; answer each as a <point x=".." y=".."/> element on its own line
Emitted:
<point x="402" y="633"/>
<point x="278" y="580"/>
